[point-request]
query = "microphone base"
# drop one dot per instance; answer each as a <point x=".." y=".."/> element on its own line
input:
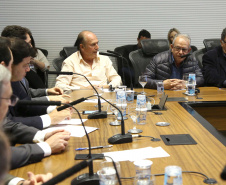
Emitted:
<point x="86" y="156"/>
<point x="86" y="179"/>
<point x="210" y="181"/>
<point x="119" y="139"/>
<point x="98" y="115"/>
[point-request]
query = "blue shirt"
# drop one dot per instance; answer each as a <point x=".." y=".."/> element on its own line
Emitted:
<point x="177" y="72"/>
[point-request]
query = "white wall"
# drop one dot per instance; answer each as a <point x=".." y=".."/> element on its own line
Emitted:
<point x="56" y="23"/>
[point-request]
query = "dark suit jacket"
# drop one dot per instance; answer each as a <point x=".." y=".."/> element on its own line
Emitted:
<point x="214" y="67"/>
<point x="27" y="114"/>
<point x="23" y="154"/>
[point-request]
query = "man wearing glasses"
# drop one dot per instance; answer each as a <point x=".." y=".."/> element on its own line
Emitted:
<point x="169" y="66"/>
<point x="214" y="64"/>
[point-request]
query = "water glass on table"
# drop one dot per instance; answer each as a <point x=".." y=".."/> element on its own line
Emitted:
<point x="160" y="87"/>
<point x="107" y="173"/>
<point x="143" y="79"/>
<point x="173" y="175"/>
<point x="133" y="113"/>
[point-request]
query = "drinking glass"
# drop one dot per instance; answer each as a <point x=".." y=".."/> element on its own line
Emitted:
<point x="133" y="113"/>
<point x="115" y="112"/>
<point x="107" y="173"/>
<point x="143" y="81"/>
<point x="185" y="82"/>
<point x="144" y="180"/>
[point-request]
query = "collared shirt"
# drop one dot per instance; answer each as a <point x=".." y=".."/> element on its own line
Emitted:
<point x="177" y="72"/>
<point x="101" y="73"/>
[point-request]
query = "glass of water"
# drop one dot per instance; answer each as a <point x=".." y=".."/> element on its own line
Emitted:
<point x="107" y="173"/>
<point x="173" y="175"/>
<point x="144" y="180"/>
<point x="185" y="82"/>
<point x="143" y="81"/>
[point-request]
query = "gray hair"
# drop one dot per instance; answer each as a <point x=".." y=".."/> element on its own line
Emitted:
<point x="5" y="76"/>
<point x="186" y="36"/>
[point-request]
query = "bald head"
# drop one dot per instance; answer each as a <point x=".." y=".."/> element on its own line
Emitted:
<point x="81" y="39"/>
<point x="87" y="44"/>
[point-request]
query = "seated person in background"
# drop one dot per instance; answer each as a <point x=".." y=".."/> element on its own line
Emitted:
<point x="214" y="64"/>
<point x="35" y="116"/>
<point x="5" y="154"/>
<point x="169" y="66"/>
<point x="39" y="62"/>
<point x="97" y="68"/>
<point x="171" y="34"/>
<point x="34" y="94"/>
<point x="123" y="68"/>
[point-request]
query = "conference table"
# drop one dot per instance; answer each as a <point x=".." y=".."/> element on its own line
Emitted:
<point x="208" y="156"/>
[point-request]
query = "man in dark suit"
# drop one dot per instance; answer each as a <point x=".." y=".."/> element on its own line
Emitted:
<point x="123" y="69"/>
<point x="29" y="153"/>
<point x="36" y="116"/>
<point x="214" y="64"/>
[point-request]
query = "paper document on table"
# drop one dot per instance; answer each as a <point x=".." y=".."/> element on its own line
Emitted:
<point x="72" y="122"/>
<point x="76" y="131"/>
<point x="137" y="154"/>
<point x="94" y="101"/>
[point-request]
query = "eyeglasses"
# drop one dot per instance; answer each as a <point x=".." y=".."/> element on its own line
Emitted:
<point x="224" y="41"/>
<point x="13" y="100"/>
<point x="179" y="48"/>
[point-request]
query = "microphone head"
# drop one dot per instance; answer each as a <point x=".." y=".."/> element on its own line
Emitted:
<point x="184" y="56"/>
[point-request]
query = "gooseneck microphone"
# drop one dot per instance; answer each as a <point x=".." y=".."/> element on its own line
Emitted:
<point x="30" y="102"/>
<point x="89" y="178"/>
<point x="96" y="115"/>
<point x="119" y="138"/>
<point x="184" y="56"/>
<point x="71" y="171"/>
<point x="70" y="104"/>
<point x="117" y="55"/>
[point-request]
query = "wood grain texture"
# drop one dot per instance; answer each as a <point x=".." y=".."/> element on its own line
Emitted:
<point x="208" y="156"/>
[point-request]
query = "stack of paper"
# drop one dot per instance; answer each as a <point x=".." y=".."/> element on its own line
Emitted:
<point x="137" y="154"/>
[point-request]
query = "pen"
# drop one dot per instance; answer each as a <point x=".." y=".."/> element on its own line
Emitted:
<point x="94" y="147"/>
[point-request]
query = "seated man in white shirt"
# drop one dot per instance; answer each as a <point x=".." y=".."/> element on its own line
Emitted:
<point x="87" y="61"/>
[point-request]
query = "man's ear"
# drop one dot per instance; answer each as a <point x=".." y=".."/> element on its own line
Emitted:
<point x="171" y="46"/>
<point x="189" y="50"/>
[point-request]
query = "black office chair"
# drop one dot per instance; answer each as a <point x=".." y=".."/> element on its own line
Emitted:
<point x="198" y="55"/>
<point x="142" y="57"/>
<point x="211" y="43"/>
<point x="193" y="48"/>
<point x="57" y="63"/>
<point x="44" y="51"/>
<point x="67" y="51"/>
<point x="122" y="65"/>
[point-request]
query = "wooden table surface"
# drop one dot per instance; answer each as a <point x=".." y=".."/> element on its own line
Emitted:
<point x="208" y="156"/>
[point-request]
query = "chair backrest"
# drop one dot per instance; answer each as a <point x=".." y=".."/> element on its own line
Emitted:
<point x="211" y="43"/>
<point x="44" y="51"/>
<point x="152" y="47"/>
<point x="57" y="63"/>
<point x="193" y="48"/>
<point x="124" y="51"/>
<point x="198" y="55"/>
<point x="67" y="51"/>
<point x="142" y="57"/>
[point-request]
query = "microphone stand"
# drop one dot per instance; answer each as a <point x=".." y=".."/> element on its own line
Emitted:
<point x="87" y="178"/>
<point x="96" y="115"/>
<point x="119" y="138"/>
<point x="113" y="54"/>
<point x="130" y="73"/>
